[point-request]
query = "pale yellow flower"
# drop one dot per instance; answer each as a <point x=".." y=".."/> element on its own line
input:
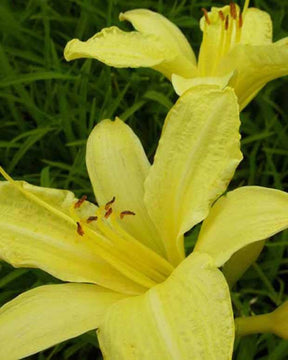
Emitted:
<point x="125" y="260"/>
<point x="236" y="50"/>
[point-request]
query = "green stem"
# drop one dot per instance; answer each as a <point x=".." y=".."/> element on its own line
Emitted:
<point x="254" y="325"/>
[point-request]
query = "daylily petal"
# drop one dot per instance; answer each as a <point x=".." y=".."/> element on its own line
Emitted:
<point x="182" y="84"/>
<point x="282" y="42"/>
<point x="241" y="217"/>
<point x="118" y="48"/>
<point x="38" y="231"/>
<point x="255" y="65"/>
<point x="169" y="35"/>
<point x="197" y="155"/>
<point x="47" y="315"/>
<point x="257" y="27"/>
<point x="189" y="316"/>
<point x="239" y="262"/>
<point x="117" y="166"/>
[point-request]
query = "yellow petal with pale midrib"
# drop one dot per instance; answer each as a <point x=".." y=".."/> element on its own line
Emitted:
<point x="198" y="152"/>
<point x="169" y="36"/>
<point x="118" y="48"/>
<point x="37" y="231"/>
<point x="241" y="217"/>
<point x="255" y="67"/>
<point x="118" y="166"/>
<point x="257" y="27"/>
<point x="48" y="315"/>
<point x="189" y="316"/>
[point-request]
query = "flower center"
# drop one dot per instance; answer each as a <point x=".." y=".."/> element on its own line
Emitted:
<point x="107" y="238"/>
<point x="118" y="247"/>
<point x="221" y="32"/>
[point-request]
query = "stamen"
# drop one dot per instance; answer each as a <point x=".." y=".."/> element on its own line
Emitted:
<point x="117" y="259"/>
<point x="152" y="267"/>
<point x="80" y="202"/>
<point x="206" y="16"/>
<point x="221" y="15"/>
<point x="161" y="266"/>
<point x="240" y="20"/>
<point x="233" y="10"/>
<point x="91" y="218"/>
<point x="227" y="22"/>
<point x="126" y="212"/>
<point x="108" y="212"/>
<point x="80" y="230"/>
<point x="109" y="203"/>
<point x="221" y="41"/>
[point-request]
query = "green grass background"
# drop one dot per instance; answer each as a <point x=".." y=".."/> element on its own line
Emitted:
<point x="48" y="108"/>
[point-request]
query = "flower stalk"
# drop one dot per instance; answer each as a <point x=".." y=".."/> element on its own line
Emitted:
<point x="275" y="322"/>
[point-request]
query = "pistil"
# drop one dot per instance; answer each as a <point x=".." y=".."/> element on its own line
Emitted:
<point x="246" y="5"/>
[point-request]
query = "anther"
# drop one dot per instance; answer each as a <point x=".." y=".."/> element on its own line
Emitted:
<point x="91" y="218"/>
<point x="227" y="22"/>
<point x="233" y="10"/>
<point x="240" y="20"/>
<point x="80" y="202"/>
<point x="126" y="212"/>
<point x="221" y="15"/>
<point x="108" y="213"/>
<point x="206" y="16"/>
<point x="80" y="230"/>
<point x="109" y="203"/>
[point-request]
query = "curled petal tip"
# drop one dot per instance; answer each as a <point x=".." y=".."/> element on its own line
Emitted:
<point x="122" y="16"/>
<point x="69" y="51"/>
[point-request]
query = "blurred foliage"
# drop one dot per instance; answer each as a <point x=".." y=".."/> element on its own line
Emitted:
<point x="48" y="108"/>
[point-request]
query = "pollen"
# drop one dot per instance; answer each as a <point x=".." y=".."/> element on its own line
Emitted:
<point x="233" y="10"/>
<point x="109" y="203"/>
<point x="221" y="15"/>
<point x="227" y="22"/>
<point x="91" y="218"/>
<point x="126" y="212"/>
<point x="206" y="16"/>
<point x="80" y="202"/>
<point x="80" y="230"/>
<point x="108" y="212"/>
<point x="240" y="20"/>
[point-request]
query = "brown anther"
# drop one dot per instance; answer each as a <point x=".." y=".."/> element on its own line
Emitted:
<point x="80" y="230"/>
<point x="240" y="20"/>
<point x="126" y="212"/>
<point x="108" y="213"/>
<point x="91" y="218"/>
<point x="109" y="203"/>
<point x="206" y="16"/>
<point x="233" y="10"/>
<point x="80" y="202"/>
<point x="227" y="22"/>
<point x="221" y="15"/>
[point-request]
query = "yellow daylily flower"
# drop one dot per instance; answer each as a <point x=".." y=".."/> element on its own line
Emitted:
<point x="123" y="262"/>
<point x="236" y="50"/>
